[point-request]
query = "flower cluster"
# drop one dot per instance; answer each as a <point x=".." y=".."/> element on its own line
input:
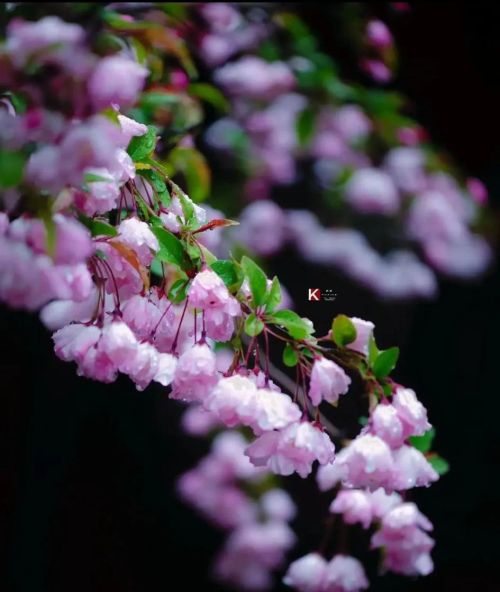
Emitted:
<point x="96" y="235"/>
<point x="367" y="159"/>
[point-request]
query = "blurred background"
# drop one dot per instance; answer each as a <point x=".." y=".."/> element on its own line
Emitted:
<point x="87" y="470"/>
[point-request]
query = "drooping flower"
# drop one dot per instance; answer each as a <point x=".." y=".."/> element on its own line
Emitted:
<point x="293" y="449"/>
<point x="354" y="505"/>
<point x="278" y="505"/>
<point x="364" y="330"/>
<point x="196" y="374"/>
<point x="307" y="574"/>
<point x="386" y="424"/>
<point x="411" y="469"/>
<point x="328" y="381"/>
<point x="345" y="574"/>
<point x="372" y="191"/>
<point x="411" y="412"/>
<point x="368" y="462"/>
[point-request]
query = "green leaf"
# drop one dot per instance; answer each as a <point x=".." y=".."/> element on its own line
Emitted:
<point x="93" y="178"/>
<point x="253" y="325"/>
<point x="423" y="442"/>
<point x="156" y="267"/>
<point x="373" y="350"/>
<point x="274" y="297"/>
<point x="385" y="362"/>
<point x="210" y="94"/>
<point x="257" y="280"/>
<point x="297" y="327"/>
<point x="305" y="125"/>
<point x="290" y="356"/>
<point x="194" y="167"/>
<point x="178" y="291"/>
<point x="50" y="232"/>
<point x="227" y="271"/>
<point x="187" y="209"/>
<point x="171" y="248"/>
<point x="158" y="183"/>
<point x="439" y="464"/>
<point x="11" y="168"/>
<point x="142" y="146"/>
<point x="343" y="330"/>
<point x="98" y="227"/>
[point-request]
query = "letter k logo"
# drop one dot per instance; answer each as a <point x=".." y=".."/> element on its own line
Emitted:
<point x="314" y="294"/>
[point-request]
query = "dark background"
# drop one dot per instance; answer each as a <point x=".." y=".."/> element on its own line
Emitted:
<point x="87" y="470"/>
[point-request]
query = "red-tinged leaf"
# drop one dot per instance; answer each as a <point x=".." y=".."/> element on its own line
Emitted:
<point x="216" y="224"/>
<point x="131" y="257"/>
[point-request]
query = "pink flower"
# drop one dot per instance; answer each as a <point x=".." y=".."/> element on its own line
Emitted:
<point x="116" y="80"/>
<point x="130" y="129"/>
<point x="197" y="421"/>
<point x="293" y="449"/>
<point x="411" y="412"/>
<point x="42" y="170"/>
<point x="328" y="381"/>
<point x="354" y="505"/>
<point x="406" y="167"/>
<point x="102" y="195"/>
<point x="368" y="463"/>
<point x="262" y="227"/>
<point x="364" y="330"/>
<point x="72" y="342"/>
<point x="383" y="502"/>
<point x="378" y="34"/>
<point x="208" y="291"/>
<point x="278" y="505"/>
<point x="196" y="374"/>
<point x="377" y="70"/>
<point x="47" y="38"/>
<point x="233" y="401"/>
<point x="330" y="475"/>
<point x="144" y="366"/>
<point x="386" y="424"/>
<point x="351" y="123"/>
<point x="59" y="313"/>
<point x="118" y="343"/>
<point x="253" y="78"/>
<point x="307" y="574"/>
<point x="478" y="190"/>
<point x="97" y="365"/>
<point x="219" y="325"/>
<point x="370" y="190"/>
<point x="273" y="410"/>
<point x="406" y="545"/>
<point x="411" y="469"/>
<point x="345" y="574"/>
<point x="137" y="235"/>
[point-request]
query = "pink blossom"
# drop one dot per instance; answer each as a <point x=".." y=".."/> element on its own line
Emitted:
<point x="411" y="412"/>
<point x="262" y="227"/>
<point x="351" y="123"/>
<point x="97" y="365"/>
<point x="377" y="70"/>
<point x="464" y="258"/>
<point x="220" y="16"/>
<point x="130" y="129"/>
<point x="138" y="236"/>
<point x="72" y="342"/>
<point x="46" y="38"/>
<point x="43" y="169"/>
<point x="118" y="343"/>
<point x="406" y="545"/>
<point x="273" y="410"/>
<point x="345" y="574"/>
<point x="116" y="80"/>
<point x="406" y="167"/>
<point x="331" y="474"/>
<point x="328" y="381"/>
<point x="383" y="502"/>
<point x="378" y="34"/>
<point x="58" y="313"/>
<point x="368" y="463"/>
<point x="102" y="195"/>
<point x="293" y="449"/>
<point x="278" y="505"/>
<point x="411" y="469"/>
<point x="364" y="330"/>
<point x="125" y="277"/>
<point x="219" y="325"/>
<point x="354" y="505"/>
<point x="478" y="190"/>
<point x="307" y="574"/>
<point x="431" y="216"/>
<point x="233" y="401"/>
<point x="197" y="421"/>
<point x="143" y="366"/>
<point x="370" y="190"/>
<point x="386" y="423"/>
<point x="253" y="78"/>
<point x="207" y="291"/>
<point x="196" y="374"/>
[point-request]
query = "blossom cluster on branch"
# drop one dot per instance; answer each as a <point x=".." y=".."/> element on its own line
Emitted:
<point x="97" y="236"/>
